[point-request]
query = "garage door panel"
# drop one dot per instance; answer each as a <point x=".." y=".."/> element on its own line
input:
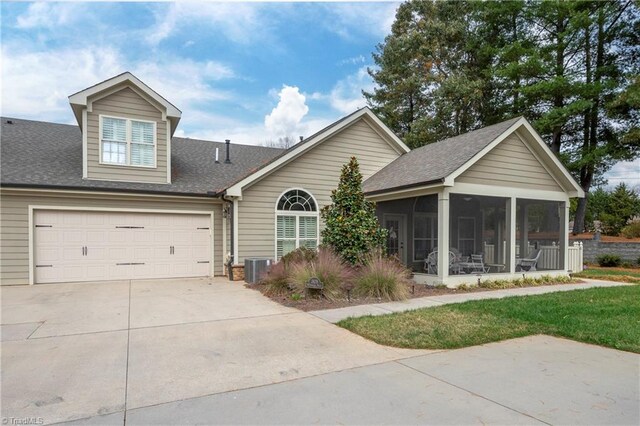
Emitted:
<point x="72" y="254"/>
<point x="46" y="274"/>
<point x="48" y="235"/>
<point x="120" y="245"/>
<point x="51" y="254"/>
<point x="96" y="236"/>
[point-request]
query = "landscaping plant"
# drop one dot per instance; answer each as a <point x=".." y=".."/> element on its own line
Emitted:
<point x="276" y="279"/>
<point x="382" y="277"/>
<point x="609" y="260"/>
<point x="351" y="225"/>
<point x="632" y="230"/>
<point x="328" y="267"/>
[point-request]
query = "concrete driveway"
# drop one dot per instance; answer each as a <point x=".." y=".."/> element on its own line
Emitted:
<point x="210" y="351"/>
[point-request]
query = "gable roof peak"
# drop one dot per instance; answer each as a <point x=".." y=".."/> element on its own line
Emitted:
<point x="441" y="161"/>
<point x="81" y="99"/>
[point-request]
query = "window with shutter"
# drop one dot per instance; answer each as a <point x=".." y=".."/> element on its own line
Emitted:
<point x="128" y="142"/>
<point x="296" y="222"/>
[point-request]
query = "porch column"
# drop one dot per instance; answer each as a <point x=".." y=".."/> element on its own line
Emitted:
<point x="524" y="230"/>
<point x="443" y="235"/>
<point x="564" y="235"/>
<point x="511" y="226"/>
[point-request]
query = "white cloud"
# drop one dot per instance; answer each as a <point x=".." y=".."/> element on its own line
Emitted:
<point x="360" y="59"/>
<point x="346" y="96"/>
<point x="285" y="118"/>
<point x="239" y="22"/>
<point x="346" y="19"/>
<point x="624" y="171"/>
<point x="49" y="15"/>
<point x="37" y="83"/>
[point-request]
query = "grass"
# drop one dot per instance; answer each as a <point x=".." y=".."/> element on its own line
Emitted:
<point x="610" y="274"/>
<point x="602" y="316"/>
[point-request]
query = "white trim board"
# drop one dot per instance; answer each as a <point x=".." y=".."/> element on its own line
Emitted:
<point x="80" y="98"/>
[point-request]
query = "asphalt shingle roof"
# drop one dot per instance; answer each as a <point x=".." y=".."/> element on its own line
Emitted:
<point x="49" y="155"/>
<point x="434" y="162"/>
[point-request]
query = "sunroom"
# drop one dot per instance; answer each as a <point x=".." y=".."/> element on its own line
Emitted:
<point x="488" y="204"/>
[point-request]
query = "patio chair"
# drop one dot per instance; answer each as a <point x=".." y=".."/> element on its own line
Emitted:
<point x="530" y="263"/>
<point x="477" y="264"/>
<point x="454" y="262"/>
<point x="431" y="263"/>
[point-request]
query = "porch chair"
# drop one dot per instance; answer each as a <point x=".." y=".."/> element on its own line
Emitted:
<point x="477" y="263"/>
<point x="431" y="263"/>
<point x="454" y="262"/>
<point x="530" y="263"/>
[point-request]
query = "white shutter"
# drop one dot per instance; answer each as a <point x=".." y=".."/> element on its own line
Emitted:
<point x="308" y="231"/>
<point x="142" y="144"/>
<point x="114" y="129"/>
<point x="286" y="227"/>
<point x="142" y="132"/>
<point x="142" y="155"/>
<point x="286" y="235"/>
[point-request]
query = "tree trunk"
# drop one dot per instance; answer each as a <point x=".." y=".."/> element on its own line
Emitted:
<point x="558" y="99"/>
<point x="581" y="210"/>
<point x="587" y="170"/>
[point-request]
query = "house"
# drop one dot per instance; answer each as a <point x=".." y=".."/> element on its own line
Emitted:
<point x="120" y="197"/>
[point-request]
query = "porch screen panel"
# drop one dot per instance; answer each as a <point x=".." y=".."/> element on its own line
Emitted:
<point x="425" y="235"/>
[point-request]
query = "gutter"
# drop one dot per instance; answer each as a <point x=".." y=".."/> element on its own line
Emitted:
<point x="409" y="186"/>
<point x="101" y="189"/>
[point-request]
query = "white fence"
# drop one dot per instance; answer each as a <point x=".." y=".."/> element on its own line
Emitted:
<point x="575" y="261"/>
<point x="549" y="256"/>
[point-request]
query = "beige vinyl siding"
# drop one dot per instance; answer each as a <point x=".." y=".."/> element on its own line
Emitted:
<point x="316" y="171"/>
<point x="14" y="223"/>
<point x="510" y="164"/>
<point x="125" y="103"/>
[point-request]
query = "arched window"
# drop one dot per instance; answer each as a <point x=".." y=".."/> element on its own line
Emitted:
<point x="296" y="222"/>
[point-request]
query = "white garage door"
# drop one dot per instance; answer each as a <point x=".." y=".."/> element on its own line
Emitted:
<point x="91" y="246"/>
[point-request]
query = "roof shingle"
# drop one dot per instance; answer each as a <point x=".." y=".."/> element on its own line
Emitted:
<point x="434" y="162"/>
<point x="49" y="155"/>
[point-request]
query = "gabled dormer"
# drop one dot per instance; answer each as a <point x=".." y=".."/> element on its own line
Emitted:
<point x="126" y="131"/>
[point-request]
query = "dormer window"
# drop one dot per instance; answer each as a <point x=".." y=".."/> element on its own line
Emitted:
<point x="126" y="142"/>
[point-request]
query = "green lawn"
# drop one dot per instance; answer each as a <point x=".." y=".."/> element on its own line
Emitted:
<point x="623" y="275"/>
<point x="602" y="316"/>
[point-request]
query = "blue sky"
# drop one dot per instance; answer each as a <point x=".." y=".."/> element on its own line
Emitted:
<point x="251" y="72"/>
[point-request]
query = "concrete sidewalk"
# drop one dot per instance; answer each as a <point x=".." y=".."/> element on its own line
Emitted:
<point x="336" y="315"/>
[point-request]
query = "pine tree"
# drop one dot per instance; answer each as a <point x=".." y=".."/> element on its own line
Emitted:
<point x="571" y="67"/>
<point x="351" y="225"/>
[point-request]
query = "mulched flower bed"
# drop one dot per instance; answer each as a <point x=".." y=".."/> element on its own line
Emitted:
<point x="317" y="303"/>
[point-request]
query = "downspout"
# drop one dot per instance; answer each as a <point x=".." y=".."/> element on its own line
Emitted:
<point x="231" y="234"/>
<point x="229" y="202"/>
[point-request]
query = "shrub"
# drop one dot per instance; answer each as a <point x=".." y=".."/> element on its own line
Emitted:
<point x="383" y="277"/>
<point x="328" y="267"/>
<point x="276" y="280"/>
<point x="302" y="254"/>
<point x="352" y="228"/>
<point x="610" y="260"/>
<point x="632" y="230"/>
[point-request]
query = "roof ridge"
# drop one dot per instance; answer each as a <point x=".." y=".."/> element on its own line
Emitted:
<point x="490" y="126"/>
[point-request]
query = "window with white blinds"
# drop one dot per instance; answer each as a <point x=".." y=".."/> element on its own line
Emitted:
<point x="128" y="142"/>
<point x="296" y="222"/>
